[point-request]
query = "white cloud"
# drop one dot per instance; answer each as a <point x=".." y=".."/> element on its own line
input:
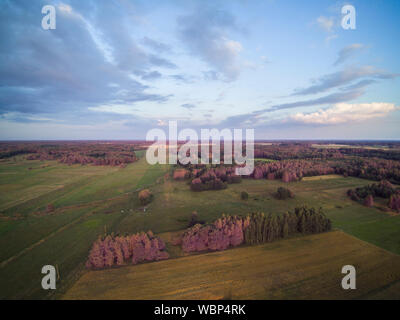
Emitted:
<point x="65" y="8"/>
<point x="326" y="23"/>
<point x="114" y="108"/>
<point x="344" y="113"/>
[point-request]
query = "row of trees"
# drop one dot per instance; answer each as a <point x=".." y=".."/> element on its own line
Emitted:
<point x="94" y="153"/>
<point x="295" y="170"/>
<point x="231" y="231"/>
<point x="295" y="151"/>
<point x="305" y="150"/>
<point x="109" y="251"/>
<point x="262" y="228"/>
<point x="228" y="231"/>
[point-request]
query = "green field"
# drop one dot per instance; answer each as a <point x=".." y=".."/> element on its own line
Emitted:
<point x="90" y="200"/>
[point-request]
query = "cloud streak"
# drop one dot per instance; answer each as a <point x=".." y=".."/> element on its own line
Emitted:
<point x="348" y="52"/>
<point x="344" y="77"/>
<point x="345" y="113"/>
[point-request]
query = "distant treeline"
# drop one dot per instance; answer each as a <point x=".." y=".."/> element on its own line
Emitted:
<point x="306" y="151"/>
<point x="371" y="169"/>
<point x="217" y="178"/>
<point x="13" y="153"/>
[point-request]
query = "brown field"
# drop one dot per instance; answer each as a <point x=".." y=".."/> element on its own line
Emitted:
<point x="306" y="267"/>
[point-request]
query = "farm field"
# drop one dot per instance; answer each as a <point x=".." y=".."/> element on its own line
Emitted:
<point x="92" y="200"/>
<point x="297" y="268"/>
<point x="64" y="237"/>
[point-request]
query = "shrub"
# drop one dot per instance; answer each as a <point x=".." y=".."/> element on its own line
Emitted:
<point x="145" y="196"/>
<point x="50" y="208"/>
<point x="196" y="185"/>
<point x="194" y="219"/>
<point x="284" y="193"/>
<point x="244" y="195"/>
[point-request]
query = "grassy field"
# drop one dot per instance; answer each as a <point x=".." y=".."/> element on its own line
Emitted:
<point x="298" y="268"/>
<point x="87" y="205"/>
<point x="90" y="200"/>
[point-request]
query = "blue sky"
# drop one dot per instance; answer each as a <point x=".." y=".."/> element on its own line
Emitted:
<point x="116" y="69"/>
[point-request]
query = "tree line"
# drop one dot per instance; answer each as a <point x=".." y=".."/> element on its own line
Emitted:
<point x="231" y="231"/>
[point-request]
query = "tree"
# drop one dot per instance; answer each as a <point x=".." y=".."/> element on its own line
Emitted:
<point x="96" y="259"/>
<point x="369" y="201"/>
<point x="302" y="224"/>
<point x="394" y="202"/>
<point x="258" y="173"/>
<point x="286" y="177"/>
<point x="271" y="176"/>
<point x="285" y="226"/>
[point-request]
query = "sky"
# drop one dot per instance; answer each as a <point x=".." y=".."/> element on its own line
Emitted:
<point x="117" y="69"/>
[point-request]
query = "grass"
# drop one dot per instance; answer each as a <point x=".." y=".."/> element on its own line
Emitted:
<point x="85" y="208"/>
<point x="325" y="177"/>
<point x="67" y="249"/>
<point x="65" y="185"/>
<point x="298" y="268"/>
<point x="15" y="235"/>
